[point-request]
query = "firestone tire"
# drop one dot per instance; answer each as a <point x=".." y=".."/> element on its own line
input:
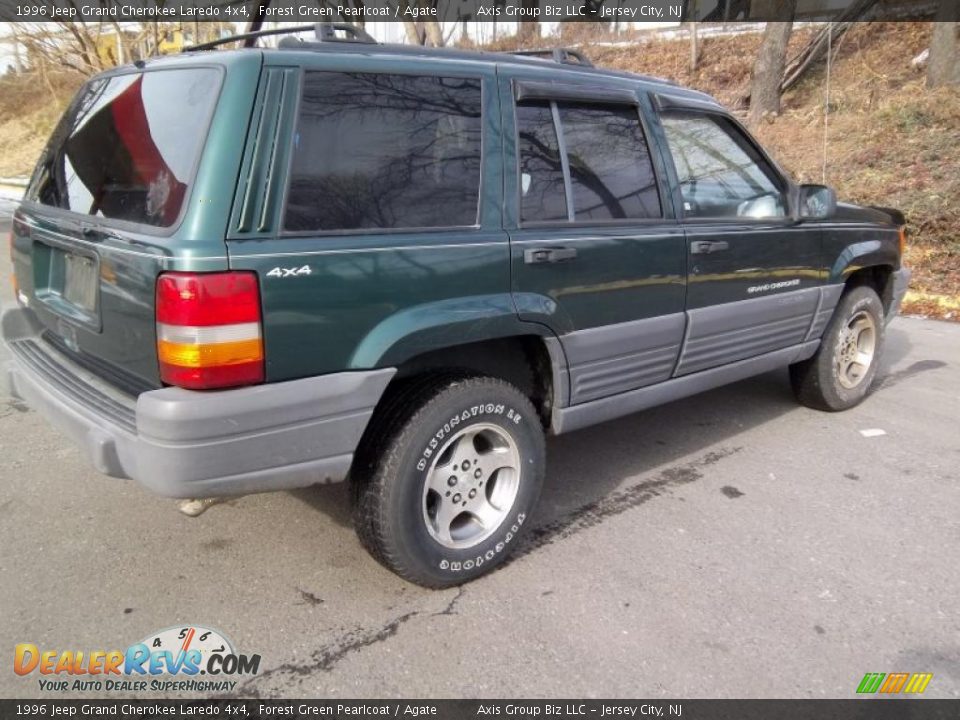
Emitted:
<point x="841" y="373"/>
<point x="477" y="441"/>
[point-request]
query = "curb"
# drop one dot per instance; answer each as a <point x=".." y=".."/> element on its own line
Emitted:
<point x="12" y="188"/>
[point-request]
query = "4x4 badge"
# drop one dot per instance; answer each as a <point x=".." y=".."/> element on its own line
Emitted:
<point x="280" y="272"/>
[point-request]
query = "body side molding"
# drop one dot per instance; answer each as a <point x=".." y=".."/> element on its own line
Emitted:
<point x="620" y="357"/>
<point x="829" y="297"/>
<point x="579" y="416"/>
<point x="722" y="334"/>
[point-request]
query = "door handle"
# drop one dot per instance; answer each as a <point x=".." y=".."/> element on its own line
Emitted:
<point x="535" y="256"/>
<point x="705" y="247"/>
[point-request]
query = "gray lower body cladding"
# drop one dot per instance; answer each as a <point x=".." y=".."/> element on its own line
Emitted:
<point x="183" y="443"/>
<point x="580" y="416"/>
<point x="827" y="303"/>
<point x="709" y="347"/>
<point x="616" y="358"/>
<point x="727" y="333"/>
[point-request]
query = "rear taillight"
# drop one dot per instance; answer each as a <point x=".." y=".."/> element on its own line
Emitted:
<point x="903" y="240"/>
<point x="208" y="329"/>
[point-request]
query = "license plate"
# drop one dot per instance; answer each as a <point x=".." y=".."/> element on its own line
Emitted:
<point x="80" y="282"/>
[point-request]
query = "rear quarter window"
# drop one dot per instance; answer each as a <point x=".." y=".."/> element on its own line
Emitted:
<point x="128" y="146"/>
<point x="383" y="151"/>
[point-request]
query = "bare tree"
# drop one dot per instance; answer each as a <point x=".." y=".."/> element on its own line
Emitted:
<point x="91" y="47"/>
<point x="944" y="66"/>
<point x="62" y="45"/>
<point x="433" y="32"/>
<point x="768" y="67"/>
<point x="423" y="32"/>
<point x="694" y="48"/>
<point x="415" y="33"/>
<point x="825" y="38"/>
<point x="528" y="31"/>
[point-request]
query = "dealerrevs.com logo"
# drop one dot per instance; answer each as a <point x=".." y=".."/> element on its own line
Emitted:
<point x="179" y="659"/>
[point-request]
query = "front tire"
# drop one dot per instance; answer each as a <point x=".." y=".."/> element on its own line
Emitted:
<point x="447" y="483"/>
<point x="841" y="373"/>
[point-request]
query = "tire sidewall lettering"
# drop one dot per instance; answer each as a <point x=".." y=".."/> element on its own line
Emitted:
<point x="471" y="559"/>
<point x="488" y="555"/>
<point x="451" y="411"/>
<point x="513" y="416"/>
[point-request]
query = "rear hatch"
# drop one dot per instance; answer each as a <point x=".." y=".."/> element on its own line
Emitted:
<point x="138" y="178"/>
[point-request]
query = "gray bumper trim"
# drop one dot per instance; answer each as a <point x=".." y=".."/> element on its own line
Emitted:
<point x="183" y="443"/>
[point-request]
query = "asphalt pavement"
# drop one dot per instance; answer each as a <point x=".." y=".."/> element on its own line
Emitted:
<point x="732" y="544"/>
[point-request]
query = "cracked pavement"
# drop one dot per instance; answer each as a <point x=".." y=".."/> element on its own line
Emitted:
<point x="730" y="545"/>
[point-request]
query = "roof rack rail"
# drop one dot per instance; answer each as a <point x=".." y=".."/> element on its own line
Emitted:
<point x="324" y="32"/>
<point x="567" y="56"/>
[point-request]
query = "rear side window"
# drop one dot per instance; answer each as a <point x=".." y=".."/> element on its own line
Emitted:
<point x="605" y="160"/>
<point x="385" y="152"/>
<point x="128" y="146"/>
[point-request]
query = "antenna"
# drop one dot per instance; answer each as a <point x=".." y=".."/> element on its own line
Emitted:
<point x="826" y="108"/>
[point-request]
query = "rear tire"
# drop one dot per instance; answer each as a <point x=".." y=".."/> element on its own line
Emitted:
<point x="447" y="482"/>
<point x="840" y="374"/>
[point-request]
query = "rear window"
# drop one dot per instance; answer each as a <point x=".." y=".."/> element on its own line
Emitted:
<point x="127" y="147"/>
<point x="386" y="152"/>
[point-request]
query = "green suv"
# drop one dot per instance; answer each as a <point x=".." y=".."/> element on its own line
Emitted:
<point x="259" y="269"/>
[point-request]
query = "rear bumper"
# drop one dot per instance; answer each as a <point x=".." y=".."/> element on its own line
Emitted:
<point x="183" y="443"/>
<point x="901" y="281"/>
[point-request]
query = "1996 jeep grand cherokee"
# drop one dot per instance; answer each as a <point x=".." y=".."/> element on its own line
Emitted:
<point x="259" y="269"/>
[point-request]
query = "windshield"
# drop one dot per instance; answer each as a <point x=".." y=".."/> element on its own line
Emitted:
<point x="128" y="145"/>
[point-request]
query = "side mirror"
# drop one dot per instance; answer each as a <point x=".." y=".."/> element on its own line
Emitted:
<point x="817" y="202"/>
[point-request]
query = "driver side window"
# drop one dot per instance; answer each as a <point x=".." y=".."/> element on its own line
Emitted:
<point x="721" y="174"/>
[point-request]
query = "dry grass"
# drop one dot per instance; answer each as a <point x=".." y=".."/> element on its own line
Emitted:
<point x="31" y="106"/>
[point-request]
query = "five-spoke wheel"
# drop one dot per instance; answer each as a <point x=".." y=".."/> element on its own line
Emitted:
<point x="471" y="486"/>
<point x="840" y="373"/>
<point x="856" y="348"/>
<point x="449" y="478"/>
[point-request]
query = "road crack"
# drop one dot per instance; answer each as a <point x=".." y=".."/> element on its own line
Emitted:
<point x="592" y="514"/>
<point x="451" y="607"/>
<point x="326" y="658"/>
